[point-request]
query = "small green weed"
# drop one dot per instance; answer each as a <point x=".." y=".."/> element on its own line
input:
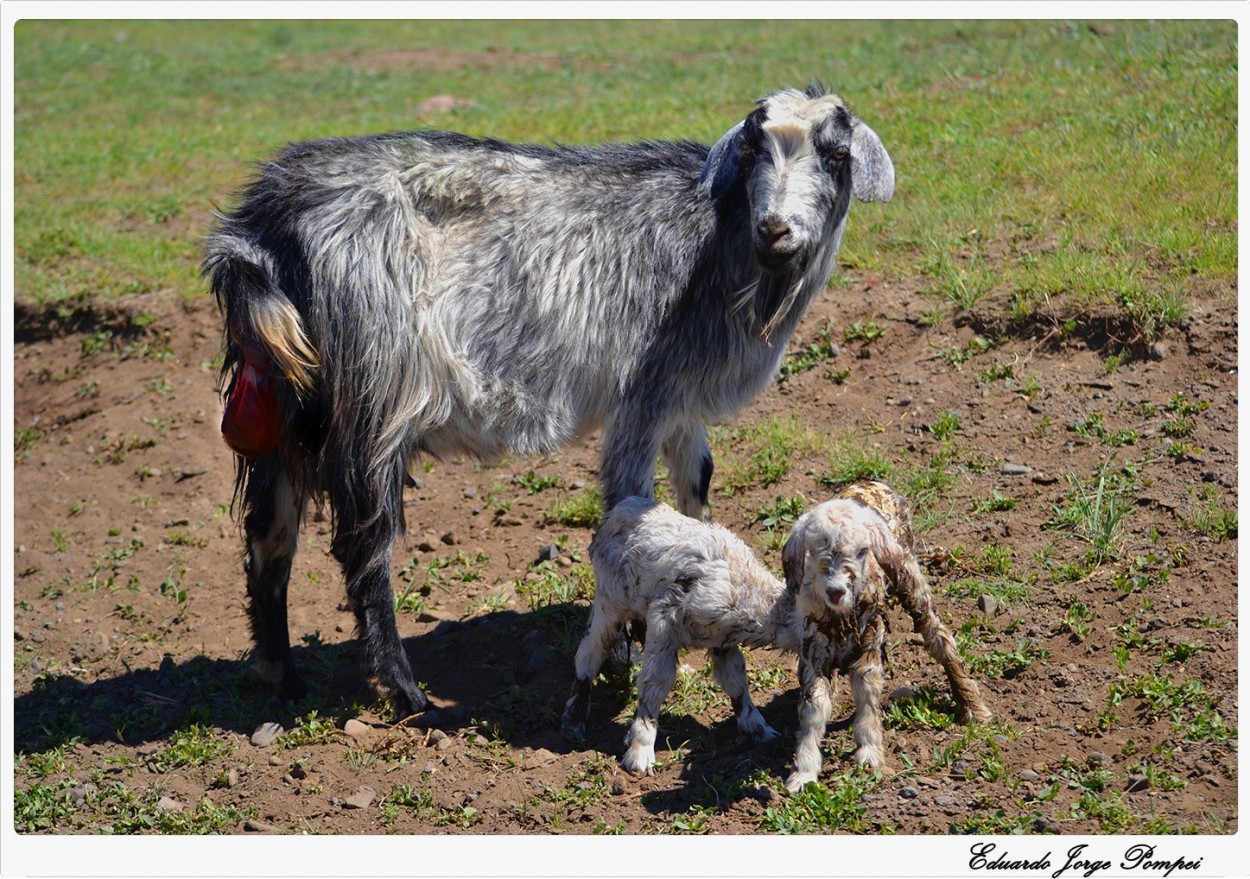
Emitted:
<point x="820" y="809"/>
<point x="581" y="510"/>
<point x="533" y="483"/>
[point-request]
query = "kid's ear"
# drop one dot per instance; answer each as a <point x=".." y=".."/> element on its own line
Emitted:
<point x="889" y="553"/>
<point x="794" y="555"/>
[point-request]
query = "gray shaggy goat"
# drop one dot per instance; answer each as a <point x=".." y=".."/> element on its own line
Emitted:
<point x="428" y="292"/>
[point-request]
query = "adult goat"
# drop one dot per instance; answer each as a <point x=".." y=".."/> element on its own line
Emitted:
<point x="428" y="292"/>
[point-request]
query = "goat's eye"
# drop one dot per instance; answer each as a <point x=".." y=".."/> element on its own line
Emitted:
<point x="837" y="155"/>
<point x="825" y="565"/>
<point x="862" y="553"/>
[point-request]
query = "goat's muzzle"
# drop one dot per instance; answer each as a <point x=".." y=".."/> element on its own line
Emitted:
<point x="776" y="247"/>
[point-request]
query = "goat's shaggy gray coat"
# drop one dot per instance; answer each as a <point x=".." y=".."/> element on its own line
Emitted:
<point x="433" y="293"/>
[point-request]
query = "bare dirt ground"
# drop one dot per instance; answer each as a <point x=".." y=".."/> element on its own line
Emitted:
<point x="1113" y="683"/>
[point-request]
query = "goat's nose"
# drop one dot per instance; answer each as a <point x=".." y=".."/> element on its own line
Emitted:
<point x="835" y="594"/>
<point x="772" y="230"/>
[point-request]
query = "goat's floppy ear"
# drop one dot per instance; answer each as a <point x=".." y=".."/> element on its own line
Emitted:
<point x="889" y="553"/>
<point x="872" y="172"/>
<point x="721" y="168"/>
<point x="794" y="555"/>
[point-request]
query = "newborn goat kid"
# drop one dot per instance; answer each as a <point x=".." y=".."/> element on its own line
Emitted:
<point x="692" y="584"/>
<point x="843" y="561"/>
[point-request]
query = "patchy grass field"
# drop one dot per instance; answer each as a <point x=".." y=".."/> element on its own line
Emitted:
<point x="1036" y="340"/>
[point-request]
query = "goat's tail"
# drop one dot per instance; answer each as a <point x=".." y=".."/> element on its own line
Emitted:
<point x="258" y="315"/>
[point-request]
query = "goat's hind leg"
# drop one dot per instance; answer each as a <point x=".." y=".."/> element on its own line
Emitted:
<point x="272" y="507"/>
<point x="730" y="671"/>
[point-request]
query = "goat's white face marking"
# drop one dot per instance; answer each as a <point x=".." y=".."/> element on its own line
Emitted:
<point x="838" y="559"/>
<point x="792" y="190"/>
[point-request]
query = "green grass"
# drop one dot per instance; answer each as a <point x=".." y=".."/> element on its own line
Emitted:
<point x="820" y="808"/>
<point x="129" y="133"/>
<point x="761" y="455"/>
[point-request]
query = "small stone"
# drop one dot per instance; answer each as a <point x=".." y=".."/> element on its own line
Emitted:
<point x="444" y="743"/>
<point x="987" y="604"/>
<point x="470" y="493"/>
<point x="232" y="777"/>
<point x="541" y="658"/>
<point x="1156" y="624"/>
<point x="425" y="546"/>
<point x="79" y="793"/>
<point x="275" y="760"/>
<point x="1001" y="741"/>
<point x="1029" y="775"/>
<point x="905" y="400"/>
<point x="1097" y="758"/>
<point x="450" y="538"/>
<point x="36" y="666"/>
<point x="358" y="730"/>
<point x="960" y="768"/>
<point x="576" y="485"/>
<point x="446" y="627"/>
<point x="618" y="786"/>
<point x="437" y="735"/>
<point x="266" y="733"/>
<point x="1010" y="469"/>
<point x="251" y="825"/>
<point x="169" y="804"/>
<point x="298" y="772"/>
<point x="909" y="793"/>
<point x="361" y="799"/>
<point x="548" y="552"/>
<point x="508" y="521"/>
<point x="1136" y="783"/>
<point x="901" y="694"/>
<point x="945" y="800"/>
<point x="1158" y="351"/>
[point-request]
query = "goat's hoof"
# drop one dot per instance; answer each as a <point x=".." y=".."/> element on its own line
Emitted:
<point x="638" y="765"/>
<point x="574" y="731"/>
<point x="766" y="735"/>
<point x="978" y="714"/>
<point x="797" y="782"/>
<point x="869" y="759"/>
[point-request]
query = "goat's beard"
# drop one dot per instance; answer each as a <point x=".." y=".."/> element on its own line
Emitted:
<point x="774" y="299"/>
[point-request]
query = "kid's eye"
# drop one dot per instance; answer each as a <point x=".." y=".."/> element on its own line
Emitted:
<point x="839" y="152"/>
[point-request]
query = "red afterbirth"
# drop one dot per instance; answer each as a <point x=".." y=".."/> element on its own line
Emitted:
<point x="250" y="423"/>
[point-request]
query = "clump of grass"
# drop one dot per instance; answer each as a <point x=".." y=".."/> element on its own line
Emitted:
<point x="851" y="460"/>
<point x="820" y="809"/>
<point x="1094" y="511"/>
<point x="581" y="510"/>
<point x="1189" y="707"/>
<point x="771" y="449"/>
<point x="1209" y="517"/>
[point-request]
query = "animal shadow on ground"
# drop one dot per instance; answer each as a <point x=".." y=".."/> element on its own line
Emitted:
<point x="506" y="671"/>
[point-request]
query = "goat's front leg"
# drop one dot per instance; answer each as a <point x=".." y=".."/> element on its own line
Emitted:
<point x="815" y="706"/>
<point x="655" y="680"/>
<point x="729" y="669"/>
<point x="364" y="551"/>
<point x="867" y="679"/>
<point x="601" y="633"/>
<point x="689" y="461"/>
<point x="627" y="466"/>
<point x="916" y="597"/>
